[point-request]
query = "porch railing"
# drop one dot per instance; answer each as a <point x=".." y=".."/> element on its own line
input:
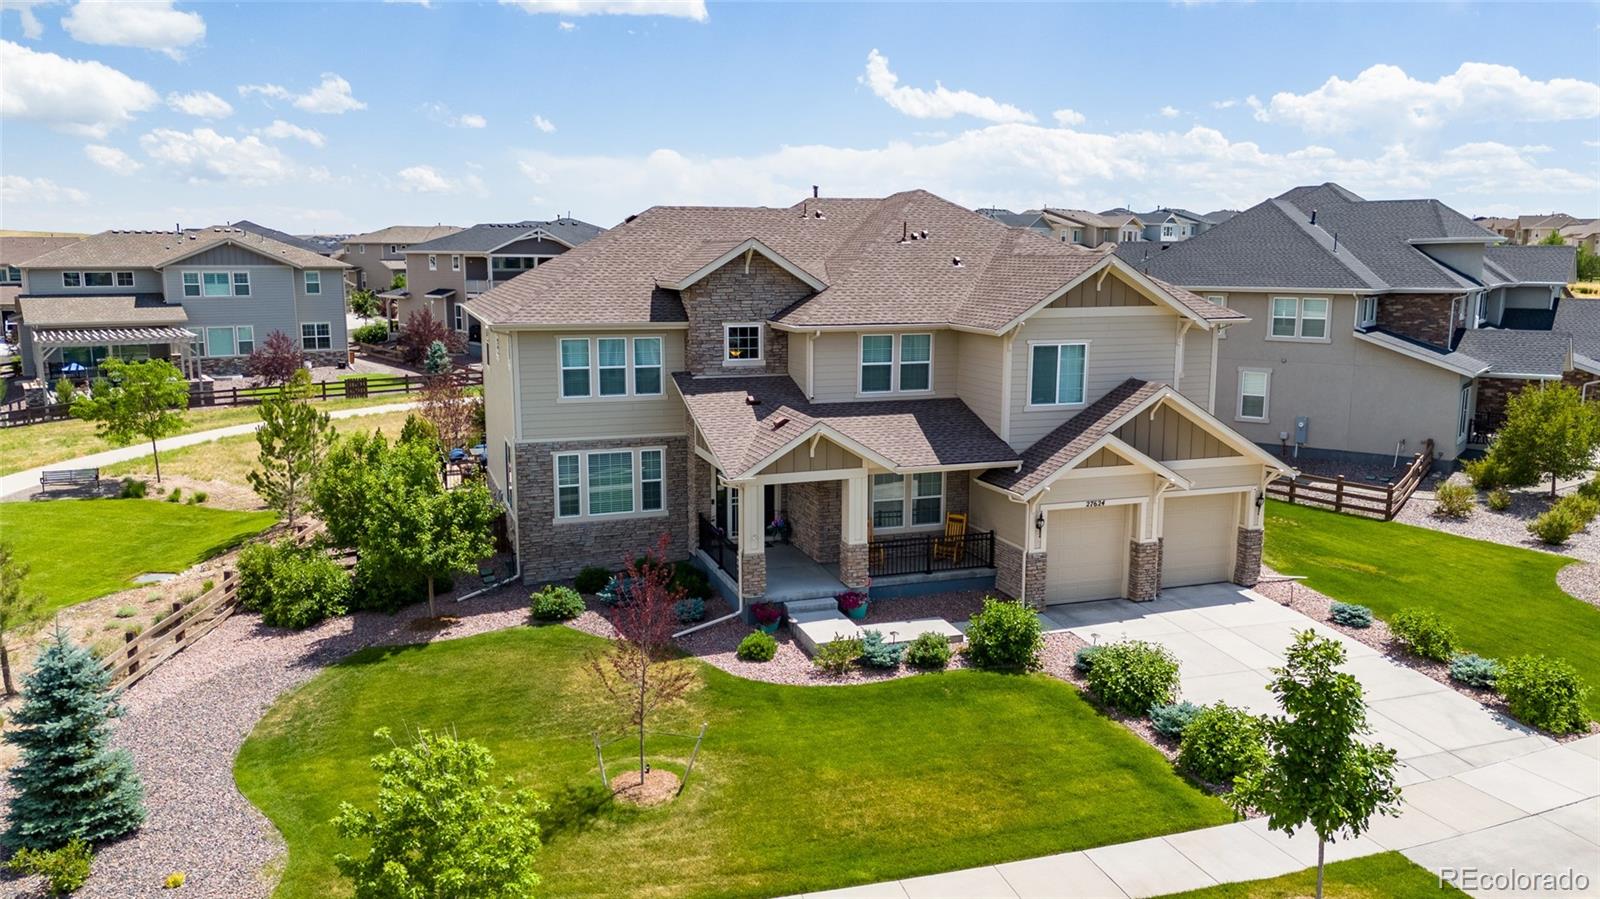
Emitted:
<point x="715" y="543"/>
<point x="1483" y="427"/>
<point x="925" y="554"/>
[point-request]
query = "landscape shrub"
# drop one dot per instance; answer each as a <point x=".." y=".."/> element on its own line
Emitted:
<point x="757" y="646"/>
<point x="375" y="332"/>
<point x="174" y="880"/>
<point x="291" y="586"/>
<point x="928" y="651"/>
<point x="1555" y="526"/>
<point x="615" y="592"/>
<point x="1474" y="670"/>
<point x="1499" y="499"/>
<point x="1453" y="500"/>
<point x="690" y="610"/>
<point x="198" y="496"/>
<point x="836" y="656"/>
<point x="692" y="581"/>
<point x="1004" y="636"/>
<point x="64" y="870"/>
<point x="1591" y="487"/>
<point x="133" y="488"/>
<point x="555" y="602"/>
<point x="1172" y="719"/>
<point x="1486" y="473"/>
<point x="1544" y="692"/>
<point x="176" y="496"/>
<point x="65" y="392"/>
<point x="1350" y="614"/>
<point x="1083" y="660"/>
<point x="1424" y="633"/>
<point x="1583" y="508"/>
<point x="875" y="653"/>
<point x="1131" y="676"/>
<point x="126" y="611"/>
<point x="592" y="579"/>
<point x="1221" y="743"/>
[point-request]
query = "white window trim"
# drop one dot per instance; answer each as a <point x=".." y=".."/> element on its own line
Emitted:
<point x="458" y="318"/>
<point x="455" y="262"/>
<point x="310" y="279"/>
<point x="1362" y="319"/>
<point x="1299" y="320"/>
<point x="433" y="263"/>
<point x="583" y="485"/>
<point x="632" y="393"/>
<point x="626" y="368"/>
<point x="761" y="345"/>
<point x="1028" y="404"/>
<point x="562" y="368"/>
<point x="205" y="340"/>
<point x="634" y="366"/>
<point x="1464" y="413"/>
<point x="1220" y="300"/>
<point x="82" y="285"/>
<point x="1266" y="396"/>
<point x="1480" y="309"/>
<point x="313" y="326"/>
<point x="908" y="497"/>
<point x="897" y="360"/>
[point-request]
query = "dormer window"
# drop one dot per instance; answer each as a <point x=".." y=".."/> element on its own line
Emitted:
<point x="741" y="343"/>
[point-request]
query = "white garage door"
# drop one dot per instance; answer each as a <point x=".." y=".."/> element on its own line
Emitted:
<point x="1086" y="550"/>
<point x="1198" y="539"/>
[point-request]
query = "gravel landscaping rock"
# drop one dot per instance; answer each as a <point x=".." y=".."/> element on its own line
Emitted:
<point x="1581" y="581"/>
<point x="1509" y="527"/>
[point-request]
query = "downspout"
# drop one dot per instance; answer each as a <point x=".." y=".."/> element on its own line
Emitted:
<point x="1211" y="392"/>
<point x="1177" y="354"/>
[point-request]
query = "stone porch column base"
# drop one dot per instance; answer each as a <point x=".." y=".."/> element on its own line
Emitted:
<point x="1144" y="570"/>
<point x="1033" y="577"/>
<point x="1247" y="557"/>
<point x="853" y="568"/>
<point x="753" y="574"/>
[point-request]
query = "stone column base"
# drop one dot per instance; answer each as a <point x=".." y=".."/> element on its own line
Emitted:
<point x="1008" y="569"/>
<point x="753" y="574"/>
<point x="1033" y="574"/>
<point x="853" y="569"/>
<point x="1247" y="557"/>
<point x="1144" y="570"/>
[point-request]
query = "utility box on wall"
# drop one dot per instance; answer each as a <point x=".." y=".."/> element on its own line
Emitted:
<point x="1302" y="424"/>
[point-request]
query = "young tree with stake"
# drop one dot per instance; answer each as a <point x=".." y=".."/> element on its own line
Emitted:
<point x="294" y="438"/>
<point x="136" y="399"/>
<point x="20" y="610"/>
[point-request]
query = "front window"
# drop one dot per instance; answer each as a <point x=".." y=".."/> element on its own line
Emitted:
<point x="219" y="342"/>
<point x="647" y="366"/>
<point x="569" y="499"/>
<point x="433" y="263"/>
<point x="612" y="355"/>
<point x="916" y="362"/>
<point x="1284" y="316"/>
<point x="97" y="279"/>
<point x="216" y="284"/>
<point x="652" y="496"/>
<point x="877" y="363"/>
<point x="458" y="315"/>
<point x="916" y="500"/>
<point x="575" y="367"/>
<point x="246" y="339"/>
<point x="1314" y="318"/>
<point x="741" y="343"/>
<point x="1056" y="376"/>
<point x="313" y="283"/>
<point x="1253" y="394"/>
<point x="124" y="279"/>
<point x="610" y="483"/>
<point x="927" y="500"/>
<point x="455" y="263"/>
<point x="888" y="501"/>
<point x="71" y="279"/>
<point x="316" y="336"/>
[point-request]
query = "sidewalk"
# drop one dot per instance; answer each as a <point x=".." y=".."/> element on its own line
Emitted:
<point x="22" y="481"/>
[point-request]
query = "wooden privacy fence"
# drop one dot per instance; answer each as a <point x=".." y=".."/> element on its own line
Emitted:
<point x="1353" y="497"/>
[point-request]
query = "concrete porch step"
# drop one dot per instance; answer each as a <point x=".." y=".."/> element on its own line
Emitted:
<point x="795" y="607"/>
<point x="812" y="629"/>
<point x="906" y="631"/>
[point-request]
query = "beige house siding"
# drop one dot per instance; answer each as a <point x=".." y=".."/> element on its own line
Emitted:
<point x="1245" y="473"/>
<point x="991" y="510"/>
<point x="980" y="376"/>
<point x="1068" y="489"/>
<point x="837" y="365"/>
<point x="370" y="264"/>
<point x="1169" y="435"/>
<point x="799" y="359"/>
<point x="419" y="281"/>
<point x="545" y="417"/>
<point x="1109" y="292"/>
<point x="828" y="456"/>
<point x="498" y="403"/>
<point x="1195" y="383"/>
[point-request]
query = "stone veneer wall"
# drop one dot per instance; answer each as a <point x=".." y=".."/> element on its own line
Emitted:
<point x="226" y="366"/>
<point x="1007" y="569"/>
<point x="702" y="497"/>
<point x="753" y="574"/>
<point x="813" y="510"/>
<point x="1422" y="316"/>
<point x="1034" y="579"/>
<point x="853" y="566"/>
<point x="1144" y="570"/>
<point x="731" y="295"/>
<point x="551" y="549"/>
<point x="1247" y="557"/>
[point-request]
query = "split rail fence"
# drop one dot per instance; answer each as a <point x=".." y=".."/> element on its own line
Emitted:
<point x="1354" y="497"/>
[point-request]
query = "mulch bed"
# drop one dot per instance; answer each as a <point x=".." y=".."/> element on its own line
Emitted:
<point x="660" y="787"/>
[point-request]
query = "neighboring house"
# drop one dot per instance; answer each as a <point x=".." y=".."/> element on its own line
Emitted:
<point x="1220" y="216"/>
<point x="15" y="249"/>
<point x="1532" y="229"/>
<point x="865" y="369"/>
<point x="377" y="256"/>
<point x="1075" y="226"/>
<point x="321" y="247"/>
<point x="203" y="298"/>
<point x="1166" y="225"/>
<point x="1584" y="233"/>
<point x="1375" y="325"/>
<point x="1504" y="227"/>
<point x="443" y="273"/>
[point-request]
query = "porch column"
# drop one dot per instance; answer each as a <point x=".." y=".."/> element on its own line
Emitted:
<point x="1144" y="551"/>
<point x="1247" y="548"/>
<point x="752" y="542"/>
<point x="854" y="571"/>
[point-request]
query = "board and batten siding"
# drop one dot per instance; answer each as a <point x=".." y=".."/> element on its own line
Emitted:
<point x="828" y="456"/>
<point x="980" y="376"/>
<point x="799" y="357"/>
<point x="1101" y="293"/>
<point x="1171" y="436"/>
<point x="545" y="417"/>
<point x="1195" y="383"/>
<point x="836" y="366"/>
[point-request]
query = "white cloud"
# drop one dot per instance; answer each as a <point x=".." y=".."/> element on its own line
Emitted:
<point x="17" y="190"/>
<point x="1591" y="143"/>
<point x="567" y="26"/>
<point x="440" y="112"/>
<point x="939" y="103"/>
<point x="31" y="27"/>
<point x="1384" y="98"/>
<point x="1067" y="118"/>
<point x="281" y="130"/>
<point x="203" y="155"/>
<point x="681" y="9"/>
<point x="331" y="97"/>
<point x="151" y="24"/>
<point x="204" y="104"/>
<point x="75" y="96"/>
<point x="544" y="124"/>
<point x="425" y="179"/>
<point x="112" y="159"/>
<point x="1224" y="104"/>
<point x="425" y="4"/>
<point x="471" y="120"/>
<point x="265" y="91"/>
<point x="1169" y="112"/>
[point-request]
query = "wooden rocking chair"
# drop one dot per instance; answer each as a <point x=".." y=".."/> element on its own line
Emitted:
<point x="953" y="545"/>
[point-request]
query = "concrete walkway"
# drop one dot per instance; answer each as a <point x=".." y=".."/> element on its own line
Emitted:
<point x="27" y="480"/>
<point x="1480" y="791"/>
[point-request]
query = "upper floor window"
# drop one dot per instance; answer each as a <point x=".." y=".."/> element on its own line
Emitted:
<point x="607" y="362"/>
<point x="455" y="263"/>
<point x="1169" y="231"/>
<point x="1057" y="373"/>
<point x="361" y="248"/>
<point x="1299" y="317"/>
<point x="1480" y="309"/>
<point x="1367" y="312"/>
<point x="313" y="283"/>
<point x="13" y="275"/>
<point x="433" y="263"/>
<point x="741" y="343"/>
<point x="881" y="374"/>
<point x="85" y="279"/>
<point x="394" y="248"/>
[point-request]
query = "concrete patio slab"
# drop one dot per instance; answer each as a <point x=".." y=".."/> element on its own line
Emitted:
<point x="1070" y="875"/>
<point x="1249" y="654"/>
<point x="1589" y="746"/>
<point x="1150" y="867"/>
<point x="1246" y="612"/>
<point x="1199" y="658"/>
<point x="1382" y="679"/>
<point x="965" y="884"/>
<point x="1302" y="847"/>
<point x="1233" y="852"/>
<point x="1466" y="807"/>
<point x="1582" y="818"/>
<point x="1449" y="719"/>
<point x="1519" y="787"/>
<point x="1413" y="827"/>
<point x="1527" y="845"/>
<point x="1572" y="770"/>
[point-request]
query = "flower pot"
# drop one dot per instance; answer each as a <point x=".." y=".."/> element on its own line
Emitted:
<point x="769" y="628"/>
<point x="857" y="613"/>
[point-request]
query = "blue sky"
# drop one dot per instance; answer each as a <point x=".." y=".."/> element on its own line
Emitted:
<point x="349" y="116"/>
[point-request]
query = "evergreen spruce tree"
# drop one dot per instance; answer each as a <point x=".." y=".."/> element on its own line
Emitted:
<point x="69" y="781"/>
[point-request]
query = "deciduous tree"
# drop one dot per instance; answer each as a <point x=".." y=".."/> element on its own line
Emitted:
<point x="276" y="360"/>
<point x="20" y="609"/>
<point x="136" y="399"/>
<point x="430" y="531"/>
<point x="364" y="303"/>
<point x="1550" y="431"/>
<point x="420" y="331"/>
<point x="451" y="411"/>
<point x="294" y="438"/>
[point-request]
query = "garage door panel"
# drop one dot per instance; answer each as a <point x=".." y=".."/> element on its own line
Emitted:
<point x="1086" y="553"/>
<point x="1198" y="539"/>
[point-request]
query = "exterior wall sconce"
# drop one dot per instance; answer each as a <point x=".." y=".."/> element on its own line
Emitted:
<point x="1261" y="499"/>
<point x="1038" y="524"/>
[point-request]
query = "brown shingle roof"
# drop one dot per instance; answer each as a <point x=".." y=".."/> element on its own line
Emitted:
<point x="150" y="249"/>
<point x="1069" y="441"/>
<point x="106" y="311"/>
<point x="406" y="234"/>
<point x="17" y="250"/>
<point x="908" y="433"/>
<point x="855" y="247"/>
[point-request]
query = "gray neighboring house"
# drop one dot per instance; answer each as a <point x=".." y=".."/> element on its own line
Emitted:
<point x="1376" y="325"/>
<point x="377" y="256"/>
<point x="15" y="250"/>
<point x="1075" y="226"/>
<point x="443" y="273"/>
<point x="1169" y="224"/>
<point x="203" y="298"/>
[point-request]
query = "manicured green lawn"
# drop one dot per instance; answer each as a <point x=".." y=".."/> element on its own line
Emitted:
<point x="1389" y="875"/>
<point x="83" y="548"/>
<point x="1502" y="600"/>
<point x="796" y="788"/>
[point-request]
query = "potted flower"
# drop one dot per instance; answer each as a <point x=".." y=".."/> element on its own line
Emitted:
<point x="854" y="604"/>
<point x="768" y="616"/>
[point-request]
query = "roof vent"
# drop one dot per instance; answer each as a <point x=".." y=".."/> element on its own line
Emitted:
<point x="1313" y="216"/>
<point x="819" y="214"/>
<point x="924" y="233"/>
<point x="751" y="399"/>
<point x="780" y="422"/>
<point x="956" y="261"/>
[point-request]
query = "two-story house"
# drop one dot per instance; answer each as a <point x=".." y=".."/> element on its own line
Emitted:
<point x="1075" y="226"/>
<point x="377" y="256"/>
<point x="820" y="397"/>
<point x="1168" y="225"/>
<point x="15" y="249"/>
<point x="1376" y="325"/>
<point x="203" y="298"/>
<point x="443" y="273"/>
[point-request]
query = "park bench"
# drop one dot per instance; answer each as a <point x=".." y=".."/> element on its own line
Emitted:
<point x="68" y="477"/>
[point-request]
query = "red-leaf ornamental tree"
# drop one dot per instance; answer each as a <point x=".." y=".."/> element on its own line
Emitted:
<point x="636" y="672"/>
<point x="451" y="411"/>
<point x="420" y="331"/>
<point x="276" y="360"/>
